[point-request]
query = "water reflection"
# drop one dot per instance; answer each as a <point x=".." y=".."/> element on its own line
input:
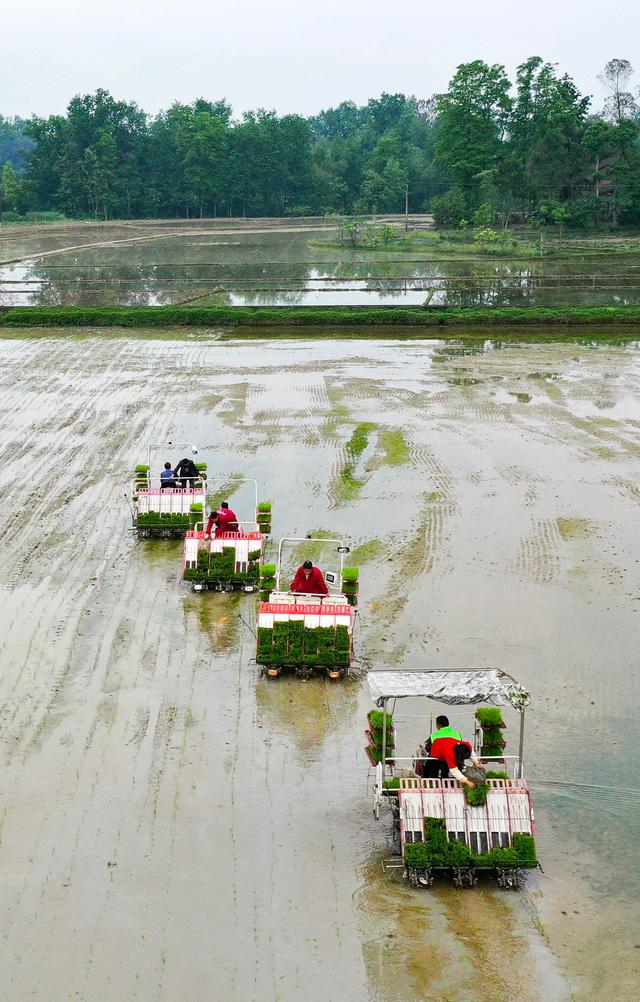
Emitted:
<point x="292" y="269"/>
<point x="309" y="712"/>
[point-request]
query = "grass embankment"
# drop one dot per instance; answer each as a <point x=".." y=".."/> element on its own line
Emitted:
<point x="321" y="316"/>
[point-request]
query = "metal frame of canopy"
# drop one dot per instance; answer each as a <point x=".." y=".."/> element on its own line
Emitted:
<point x="499" y="688"/>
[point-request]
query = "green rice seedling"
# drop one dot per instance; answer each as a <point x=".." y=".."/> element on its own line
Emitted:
<point x="476" y="796"/>
<point x="458" y="854"/>
<point x="525" y="847"/>
<point x="196" y="506"/>
<point x="376" y="718"/>
<point x="391" y="784"/>
<point x="492" y="751"/>
<point x="435" y="833"/>
<point x="350" y="573"/>
<point x="268" y="570"/>
<point x="264" y="596"/>
<point x="343" y="641"/>
<point x="491" y="774"/>
<point x="264" y="507"/>
<point x="418" y="856"/>
<point x="254" y="555"/>
<point x="489" y="716"/>
<point x="500" y="856"/>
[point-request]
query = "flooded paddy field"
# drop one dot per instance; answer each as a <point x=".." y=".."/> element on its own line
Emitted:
<point x="176" y="827"/>
<point x="294" y="262"/>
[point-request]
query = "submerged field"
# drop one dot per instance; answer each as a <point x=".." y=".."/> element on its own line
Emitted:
<point x="173" y="826"/>
<point x="302" y="263"/>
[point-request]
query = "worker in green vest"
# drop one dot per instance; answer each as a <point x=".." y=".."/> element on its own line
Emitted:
<point x="443" y="730"/>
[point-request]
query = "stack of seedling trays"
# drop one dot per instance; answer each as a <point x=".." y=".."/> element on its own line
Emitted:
<point x="350" y="584"/>
<point x="263" y="517"/>
<point x="219" y="569"/>
<point x="290" y="644"/>
<point x="195" y="514"/>
<point x="141" y="481"/>
<point x="202" y="468"/>
<point x="374" y="735"/>
<point x="267" y="581"/>
<point x="492" y="725"/>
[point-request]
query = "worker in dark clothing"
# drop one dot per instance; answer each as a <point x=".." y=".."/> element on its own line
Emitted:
<point x="167" y="477"/>
<point x="309" y="580"/>
<point x="187" y="472"/>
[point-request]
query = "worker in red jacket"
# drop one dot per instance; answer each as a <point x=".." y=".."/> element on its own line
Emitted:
<point x="455" y="753"/>
<point x="309" y="580"/>
<point x="225" y="520"/>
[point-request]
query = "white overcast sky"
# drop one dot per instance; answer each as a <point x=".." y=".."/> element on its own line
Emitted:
<point x="291" y="55"/>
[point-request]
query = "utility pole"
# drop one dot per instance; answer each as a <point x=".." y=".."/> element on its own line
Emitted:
<point x="406" y="207"/>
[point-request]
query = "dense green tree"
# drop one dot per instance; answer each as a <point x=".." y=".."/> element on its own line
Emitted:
<point x="14" y="142"/>
<point x="472" y="119"/>
<point x="9" y="189"/>
<point x="482" y="151"/>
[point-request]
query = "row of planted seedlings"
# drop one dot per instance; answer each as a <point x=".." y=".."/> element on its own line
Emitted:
<point x="291" y="644"/>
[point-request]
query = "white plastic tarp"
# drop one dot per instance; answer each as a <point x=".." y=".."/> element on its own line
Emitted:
<point x="455" y="686"/>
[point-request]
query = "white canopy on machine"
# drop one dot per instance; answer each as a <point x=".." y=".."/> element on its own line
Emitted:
<point x="454" y="686"/>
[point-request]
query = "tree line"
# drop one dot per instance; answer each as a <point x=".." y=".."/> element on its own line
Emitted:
<point x="487" y="150"/>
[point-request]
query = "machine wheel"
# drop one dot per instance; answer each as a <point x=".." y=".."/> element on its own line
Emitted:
<point x="425" y="878"/>
<point x="376" y="811"/>
<point x="464" y="877"/>
<point x="510" y="879"/>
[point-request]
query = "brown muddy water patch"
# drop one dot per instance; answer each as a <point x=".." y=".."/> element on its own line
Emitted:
<point x="212" y="828"/>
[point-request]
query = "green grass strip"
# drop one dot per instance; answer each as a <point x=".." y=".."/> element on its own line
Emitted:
<point x="351" y="316"/>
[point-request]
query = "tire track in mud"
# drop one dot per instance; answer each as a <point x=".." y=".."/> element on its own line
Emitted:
<point x="202" y="839"/>
<point x="538" y="559"/>
<point x="34" y="730"/>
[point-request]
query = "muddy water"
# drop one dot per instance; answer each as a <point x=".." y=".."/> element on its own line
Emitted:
<point x="286" y="262"/>
<point x="175" y="827"/>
